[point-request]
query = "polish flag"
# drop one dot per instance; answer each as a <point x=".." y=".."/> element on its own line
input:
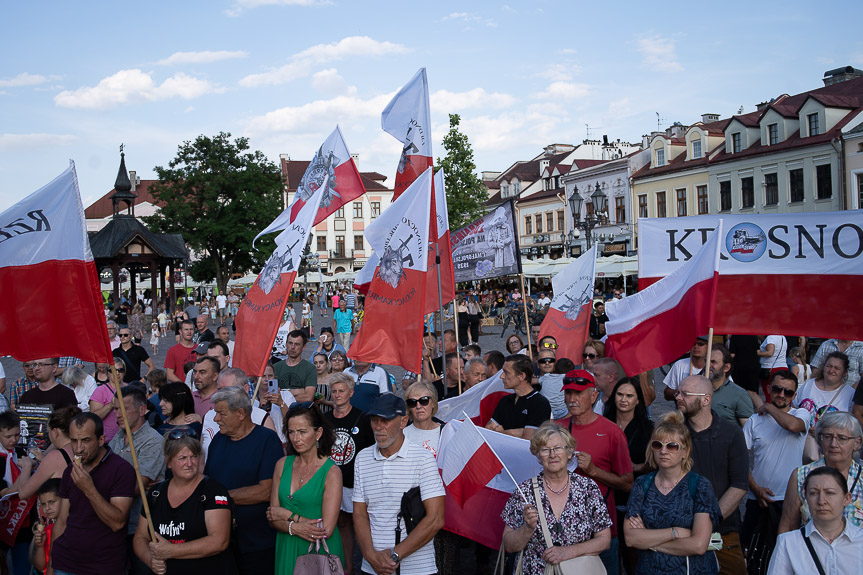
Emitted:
<point x="434" y="301"/>
<point x="568" y="316"/>
<point x="657" y="325"/>
<point x="467" y="463"/>
<point x="262" y="308"/>
<point x="479" y="402"/>
<point x="47" y="275"/>
<point x="478" y="517"/>
<point x="407" y="118"/>
<point x="392" y="327"/>
<point x="331" y="165"/>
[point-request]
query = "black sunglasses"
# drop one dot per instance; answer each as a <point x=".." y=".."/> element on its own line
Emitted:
<point x="577" y="381"/>
<point x="545" y="360"/>
<point x="777" y="390"/>
<point x="301" y="404"/>
<point x="588" y="355"/>
<point x="424" y="400"/>
<point x="125" y="335"/>
<point x="180" y="432"/>
<point x="120" y="369"/>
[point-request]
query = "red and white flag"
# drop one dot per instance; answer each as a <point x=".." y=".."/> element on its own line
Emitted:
<point x="478" y="402"/>
<point x="568" y="316"/>
<point x="332" y="165"/>
<point x="657" y="325"/>
<point x="392" y="327"/>
<point x="434" y="301"/>
<point x="408" y="119"/>
<point x="261" y="310"/>
<point x="478" y="517"/>
<point x="47" y="275"/>
<point x="467" y="463"/>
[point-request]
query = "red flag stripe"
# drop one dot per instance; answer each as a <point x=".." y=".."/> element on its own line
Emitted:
<point x="482" y="466"/>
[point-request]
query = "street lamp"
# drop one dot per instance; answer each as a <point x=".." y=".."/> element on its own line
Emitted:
<point x="594" y="213"/>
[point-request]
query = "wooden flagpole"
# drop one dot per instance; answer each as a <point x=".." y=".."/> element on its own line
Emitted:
<point x="457" y="343"/>
<point x="257" y="388"/>
<point x="526" y="318"/>
<point x="128" y="431"/>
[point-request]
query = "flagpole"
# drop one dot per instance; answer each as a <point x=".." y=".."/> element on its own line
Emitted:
<point x="469" y="421"/>
<point x="440" y="300"/>
<point x="709" y="349"/>
<point x="457" y="342"/>
<point x="257" y="388"/>
<point x="128" y="431"/>
<point x="526" y="319"/>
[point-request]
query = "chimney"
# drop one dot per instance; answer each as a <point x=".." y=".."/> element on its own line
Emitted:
<point x="841" y="75"/>
<point x="133" y="179"/>
<point x="707" y="118"/>
<point x="543" y="164"/>
<point x="356" y="159"/>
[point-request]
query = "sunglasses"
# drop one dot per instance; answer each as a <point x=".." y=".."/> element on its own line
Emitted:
<point x="125" y="335"/>
<point x="777" y="390"/>
<point x="424" y="400"/>
<point x="671" y="446"/>
<point x="578" y="381"/>
<point x="549" y="345"/>
<point x="588" y="355"/>
<point x="180" y="432"/>
<point x="120" y="369"/>
<point x="301" y="405"/>
<point x="545" y="360"/>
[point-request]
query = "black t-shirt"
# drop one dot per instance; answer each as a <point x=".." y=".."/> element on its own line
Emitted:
<point x="529" y="411"/>
<point x="595" y="322"/>
<point x="353" y="434"/>
<point x="122" y="315"/>
<point x="203" y="337"/>
<point x="186" y="523"/>
<point x="136" y="355"/>
<point x="500" y="302"/>
<point x="858" y="395"/>
<point x="58" y="396"/>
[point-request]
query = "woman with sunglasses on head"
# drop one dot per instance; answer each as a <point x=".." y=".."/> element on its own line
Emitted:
<point x="192" y="515"/>
<point x="307" y="489"/>
<point x="593" y="350"/>
<point x="828" y="542"/>
<point x="672" y="511"/>
<point x="572" y="505"/>
<point x="425" y="429"/>
<point x="839" y="437"/>
<point x="177" y="404"/>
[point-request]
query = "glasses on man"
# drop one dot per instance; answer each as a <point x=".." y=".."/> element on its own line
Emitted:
<point x="125" y="335"/>
<point x="779" y="390"/>
<point x="545" y="360"/>
<point x="36" y="365"/>
<point x="588" y="355"/>
<point x="548" y="345"/>
<point x="671" y="446"/>
<point x="840" y="439"/>
<point x="547" y="451"/>
<point x="582" y="381"/>
<point x="424" y="400"/>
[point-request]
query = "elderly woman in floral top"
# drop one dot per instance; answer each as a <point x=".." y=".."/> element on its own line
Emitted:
<point x="573" y="506"/>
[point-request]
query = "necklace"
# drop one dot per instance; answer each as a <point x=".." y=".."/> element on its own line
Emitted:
<point x="562" y="489"/>
<point x="667" y="486"/>
<point x="305" y="476"/>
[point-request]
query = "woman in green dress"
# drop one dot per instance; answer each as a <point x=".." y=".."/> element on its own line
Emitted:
<point x="307" y="489"/>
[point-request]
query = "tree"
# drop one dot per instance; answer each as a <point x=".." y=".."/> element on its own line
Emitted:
<point x="219" y="196"/>
<point x="465" y="192"/>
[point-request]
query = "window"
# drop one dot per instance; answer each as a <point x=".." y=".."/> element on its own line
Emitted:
<point x="747" y="192"/>
<point x="358" y="210"/>
<point x="736" y="145"/>
<point x="812" y="120"/>
<point x="660" y="157"/>
<point x="549" y="222"/>
<point x="322" y="243"/>
<point x="696" y="149"/>
<point x="358" y="242"/>
<point x="340" y="213"/>
<point x="660" y="204"/>
<point x="773" y="134"/>
<point x="642" y="205"/>
<point x="504" y="191"/>
<point x="619" y="210"/>
<point x="340" y="246"/>
<point x="516" y="188"/>
<point x="560" y="221"/>
<point x="538" y="223"/>
<point x="376" y="209"/>
<point x="860" y="191"/>
<point x="701" y="191"/>
<point x="823" y="182"/>
<point x="771" y="190"/>
<point x="797" y="192"/>
<point x="725" y="196"/>
<point x="528" y="225"/>
<point x="681" y="202"/>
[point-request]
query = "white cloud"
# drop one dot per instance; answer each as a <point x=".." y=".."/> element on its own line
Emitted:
<point x="564" y="91"/>
<point x="330" y="83"/>
<point x="25" y="79"/>
<point x="620" y="108"/>
<point x="469" y="18"/>
<point x="301" y="63"/>
<point x="659" y="53"/>
<point x="131" y="86"/>
<point x="315" y="116"/>
<point x="559" y="72"/>
<point x="447" y="102"/>
<point x="203" y="57"/>
<point x="9" y="142"/>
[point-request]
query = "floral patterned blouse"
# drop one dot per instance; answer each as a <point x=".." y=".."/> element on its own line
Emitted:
<point x="584" y="515"/>
<point x="853" y="511"/>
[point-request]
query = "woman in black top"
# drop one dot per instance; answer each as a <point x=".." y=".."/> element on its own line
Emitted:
<point x="191" y="516"/>
<point x="178" y="408"/>
<point x="628" y="411"/>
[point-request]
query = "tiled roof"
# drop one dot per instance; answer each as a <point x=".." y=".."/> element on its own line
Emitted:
<point x="544" y="195"/>
<point x="102" y="208"/>
<point x="117" y="233"/>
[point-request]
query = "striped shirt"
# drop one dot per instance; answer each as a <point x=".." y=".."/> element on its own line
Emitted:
<point x="379" y="483"/>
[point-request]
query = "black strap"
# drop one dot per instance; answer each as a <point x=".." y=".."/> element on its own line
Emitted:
<point x="812" y="551"/>
<point x="66" y="457"/>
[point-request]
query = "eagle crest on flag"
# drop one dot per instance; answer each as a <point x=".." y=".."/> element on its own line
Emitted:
<point x="574" y="305"/>
<point x="391" y="268"/>
<point x="271" y="275"/>
<point x="409" y="148"/>
<point x="316" y="173"/>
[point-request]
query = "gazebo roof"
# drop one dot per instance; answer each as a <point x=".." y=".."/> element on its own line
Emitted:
<point x="119" y="232"/>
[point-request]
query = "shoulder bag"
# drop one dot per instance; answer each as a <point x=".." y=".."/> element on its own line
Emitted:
<point x="812" y="551"/>
<point x="318" y="563"/>
<point x="584" y="565"/>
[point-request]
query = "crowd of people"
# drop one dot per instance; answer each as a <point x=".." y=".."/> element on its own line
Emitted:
<point x="756" y="455"/>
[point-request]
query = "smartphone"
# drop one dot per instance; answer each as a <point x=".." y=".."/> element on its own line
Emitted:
<point x="273" y="386"/>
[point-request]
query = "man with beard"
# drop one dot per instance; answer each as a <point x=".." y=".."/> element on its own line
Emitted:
<point x="730" y="401"/>
<point x="182" y="353"/>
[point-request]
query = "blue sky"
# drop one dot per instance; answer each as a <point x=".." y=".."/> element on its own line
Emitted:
<point x="77" y="79"/>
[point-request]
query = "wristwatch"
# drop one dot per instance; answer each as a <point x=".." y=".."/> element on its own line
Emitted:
<point x="395" y="556"/>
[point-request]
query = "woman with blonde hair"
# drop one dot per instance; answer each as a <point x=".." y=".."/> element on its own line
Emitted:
<point x="593" y="350"/>
<point x="425" y="429"/>
<point x="671" y="510"/>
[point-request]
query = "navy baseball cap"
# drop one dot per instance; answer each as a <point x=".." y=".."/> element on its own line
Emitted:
<point x="202" y="348"/>
<point x="388" y="406"/>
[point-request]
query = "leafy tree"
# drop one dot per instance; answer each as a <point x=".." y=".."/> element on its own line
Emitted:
<point x="219" y="196"/>
<point x="465" y="192"/>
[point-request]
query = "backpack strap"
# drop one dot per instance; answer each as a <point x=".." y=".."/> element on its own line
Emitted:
<point x="693" y="485"/>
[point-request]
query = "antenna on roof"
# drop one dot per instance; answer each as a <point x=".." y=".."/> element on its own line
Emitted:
<point x="659" y="122"/>
<point x="740" y="111"/>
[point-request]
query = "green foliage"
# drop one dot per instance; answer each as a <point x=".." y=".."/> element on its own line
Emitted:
<point x="219" y="196"/>
<point x="465" y="192"/>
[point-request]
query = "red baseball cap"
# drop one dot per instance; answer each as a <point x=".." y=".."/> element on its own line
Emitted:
<point x="578" y="380"/>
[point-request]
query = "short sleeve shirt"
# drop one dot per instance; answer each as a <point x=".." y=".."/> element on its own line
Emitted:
<point x="58" y="396"/>
<point x="353" y="434"/>
<point x="527" y="412"/>
<point x="151" y="461"/>
<point x="776" y="451"/>
<point x="855" y="358"/>
<point x="297" y="376"/>
<point x="731" y="402"/>
<point x="343" y="320"/>
<point x="136" y="355"/>
<point x="177" y="357"/>
<point x="678" y="372"/>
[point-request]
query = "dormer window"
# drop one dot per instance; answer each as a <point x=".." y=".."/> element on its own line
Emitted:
<point x="660" y="157"/>
<point x="504" y="191"/>
<point x="812" y="120"/>
<point x="773" y="134"/>
<point x="696" y="148"/>
<point x="736" y="144"/>
<point x="516" y="188"/>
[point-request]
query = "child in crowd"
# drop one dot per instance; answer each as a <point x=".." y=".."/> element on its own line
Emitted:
<point x="163" y="322"/>
<point x="155" y="330"/>
<point x="49" y="509"/>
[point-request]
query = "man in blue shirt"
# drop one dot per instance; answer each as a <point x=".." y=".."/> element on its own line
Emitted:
<point x="343" y="324"/>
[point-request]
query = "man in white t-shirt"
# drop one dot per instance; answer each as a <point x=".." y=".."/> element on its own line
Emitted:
<point x="222" y="307"/>
<point x="683" y="368"/>
<point x="543" y="301"/>
<point x="775" y="437"/>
